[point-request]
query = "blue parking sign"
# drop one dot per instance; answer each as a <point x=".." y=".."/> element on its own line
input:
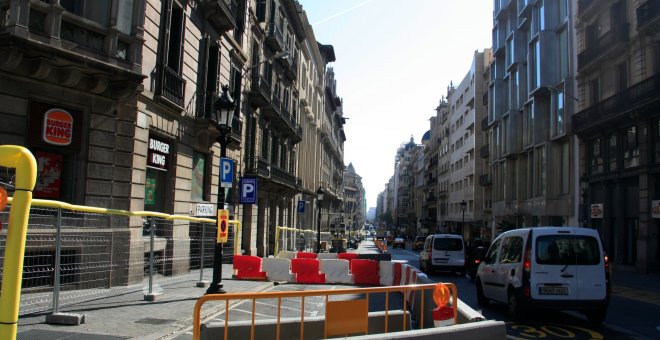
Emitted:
<point x="301" y="207"/>
<point x="226" y="172"/>
<point x="248" y="190"/>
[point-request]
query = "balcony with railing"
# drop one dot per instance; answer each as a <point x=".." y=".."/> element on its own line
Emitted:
<point x="201" y="108"/>
<point x="584" y="6"/>
<point x="283" y="177"/>
<point x="609" y="44"/>
<point x="484" y="152"/>
<point x="170" y="85"/>
<point x="274" y="38"/>
<point x="260" y="90"/>
<point x="485" y="180"/>
<point x="615" y="109"/>
<point x="648" y="17"/>
<point x="220" y="14"/>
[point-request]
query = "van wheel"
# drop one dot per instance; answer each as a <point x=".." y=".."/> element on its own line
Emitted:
<point x="596" y="316"/>
<point x="481" y="298"/>
<point x="515" y="310"/>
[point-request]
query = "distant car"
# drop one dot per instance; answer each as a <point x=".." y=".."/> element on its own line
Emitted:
<point x="390" y="239"/>
<point x="418" y="244"/>
<point x="399" y="242"/>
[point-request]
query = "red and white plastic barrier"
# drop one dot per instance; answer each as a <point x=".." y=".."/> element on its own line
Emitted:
<point x="278" y="269"/>
<point x="307" y="270"/>
<point x="336" y="271"/>
<point x="248" y="267"/>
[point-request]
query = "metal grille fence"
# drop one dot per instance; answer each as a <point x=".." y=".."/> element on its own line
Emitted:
<point x="73" y="256"/>
<point x="290" y="239"/>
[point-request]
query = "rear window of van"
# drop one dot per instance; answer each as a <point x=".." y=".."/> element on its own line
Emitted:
<point x="447" y="244"/>
<point x="567" y="250"/>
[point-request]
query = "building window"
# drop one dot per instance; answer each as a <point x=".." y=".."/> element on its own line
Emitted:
<point x="612" y="153"/>
<point x="621" y="82"/>
<point x="594" y="91"/>
<point x="264" y="143"/>
<point x="505" y="137"/>
<point x="515" y="93"/>
<point x="565" y="177"/>
<point x="631" y="148"/>
<point x="596" y="156"/>
<point x="97" y="11"/>
<point x="557" y="115"/>
<point x="528" y="125"/>
<point x="563" y="10"/>
<point x="657" y="142"/>
<point x="539" y="174"/>
<point x="530" y="174"/>
<point x="199" y="190"/>
<point x="564" y="57"/>
<point x="537" y="64"/>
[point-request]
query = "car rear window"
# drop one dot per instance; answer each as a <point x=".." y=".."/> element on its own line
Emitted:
<point x="567" y="249"/>
<point x="452" y="244"/>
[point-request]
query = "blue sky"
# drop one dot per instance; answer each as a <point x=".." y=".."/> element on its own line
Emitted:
<point x="395" y="59"/>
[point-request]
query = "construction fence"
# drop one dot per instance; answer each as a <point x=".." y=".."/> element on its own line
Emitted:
<point x="78" y="253"/>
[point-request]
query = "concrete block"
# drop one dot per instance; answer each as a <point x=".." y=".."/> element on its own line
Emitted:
<point x="65" y="319"/>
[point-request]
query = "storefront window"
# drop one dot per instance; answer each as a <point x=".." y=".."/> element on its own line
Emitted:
<point x="596" y="162"/>
<point x="631" y="147"/>
<point x="198" y="185"/>
<point x="155" y="186"/>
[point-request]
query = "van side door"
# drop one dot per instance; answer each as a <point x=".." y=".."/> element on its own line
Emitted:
<point x="509" y="270"/>
<point x="486" y="271"/>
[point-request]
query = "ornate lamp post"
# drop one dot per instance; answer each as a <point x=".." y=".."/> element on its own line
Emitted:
<point x="223" y="110"/>
<point x="319" y="198"/>
<point x="463" y="205"/>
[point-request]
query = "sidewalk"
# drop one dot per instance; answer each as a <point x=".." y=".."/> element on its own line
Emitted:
<point x="126" y="315"/>
<point x="636" y="286"/>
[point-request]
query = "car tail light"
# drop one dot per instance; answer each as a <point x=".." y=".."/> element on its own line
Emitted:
<point x="527" y="259"/>
<point x="477" y="261"/>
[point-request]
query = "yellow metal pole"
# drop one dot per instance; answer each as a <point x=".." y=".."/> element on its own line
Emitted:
<point x="237" y="230"/>
<point x="13" y="156"/>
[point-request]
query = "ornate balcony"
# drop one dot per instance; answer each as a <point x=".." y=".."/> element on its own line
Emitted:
<point x="169" y="85"/>
<point x="201" y="108"/>
<point x="274" y="38"/>
<point x="221" y="14"/>
<point x="485" y="180"/>
<point x="611" y="43"/>
<point x="617" y="109"/>
<point x="648" y="17"/>
<point x="271" y="177"/>
<point x="484" y="152"/>
<point x="259" y="90"/>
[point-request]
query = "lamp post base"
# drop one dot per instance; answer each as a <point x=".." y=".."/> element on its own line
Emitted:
<point x="215" y="289"/>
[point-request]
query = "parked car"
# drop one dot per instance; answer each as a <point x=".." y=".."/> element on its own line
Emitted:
<point x="399" y="242"/>
<point x="475" y="254"/>
<point x="443" y="252"/>
<point x="418" y="244"/>
<point x="562" y="268"/>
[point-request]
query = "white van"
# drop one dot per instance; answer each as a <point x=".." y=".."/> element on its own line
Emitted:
<point x="443" y="252"/>
<point x="562" y="268"/>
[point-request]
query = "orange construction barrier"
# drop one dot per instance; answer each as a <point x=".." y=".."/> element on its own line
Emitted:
<point x="305" y="255"/>
<point x="248" y="267"/>
<point x="365" y="272"/>
<point x="307" y="271"/>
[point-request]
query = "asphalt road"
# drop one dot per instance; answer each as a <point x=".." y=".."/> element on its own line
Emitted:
<point x="627" y="318"/>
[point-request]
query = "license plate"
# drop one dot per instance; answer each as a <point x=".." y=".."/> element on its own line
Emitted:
<point x="441" y="260"/>
<point x="553" y="290"/>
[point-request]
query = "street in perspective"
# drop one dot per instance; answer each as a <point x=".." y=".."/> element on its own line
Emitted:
<point x="304" y="169"/>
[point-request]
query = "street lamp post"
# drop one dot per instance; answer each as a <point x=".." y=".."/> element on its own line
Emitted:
<point x="223" y="108"/>
<point x="463" y="204"/>
<point x="319" y="198"/>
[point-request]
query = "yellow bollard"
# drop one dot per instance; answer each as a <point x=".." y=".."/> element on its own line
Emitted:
<point x="13" y="156"/>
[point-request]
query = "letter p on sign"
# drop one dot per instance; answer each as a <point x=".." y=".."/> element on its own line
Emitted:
<point x="226" y="172"/>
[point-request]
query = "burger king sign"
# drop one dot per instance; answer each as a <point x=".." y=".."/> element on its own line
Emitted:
<point x="58" y="127"/>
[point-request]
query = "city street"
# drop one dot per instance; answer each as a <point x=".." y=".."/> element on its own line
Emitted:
<point x="628" y="317"/>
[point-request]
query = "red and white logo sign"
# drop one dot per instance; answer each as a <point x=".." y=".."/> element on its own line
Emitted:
<point x="58" y="127"/>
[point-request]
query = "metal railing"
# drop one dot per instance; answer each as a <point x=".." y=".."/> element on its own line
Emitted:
<point x="329" y="322"/>
<point x="288" y="239"/>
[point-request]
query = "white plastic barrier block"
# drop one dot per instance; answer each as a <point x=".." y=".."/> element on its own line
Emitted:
<point x="336" y="271"/>
<point x="386" y="272"/>
<point x="278" y="269"/>
<point x="326" y="256"/>
<point x="285" y="254"/>
<point x="405" y="271"/>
